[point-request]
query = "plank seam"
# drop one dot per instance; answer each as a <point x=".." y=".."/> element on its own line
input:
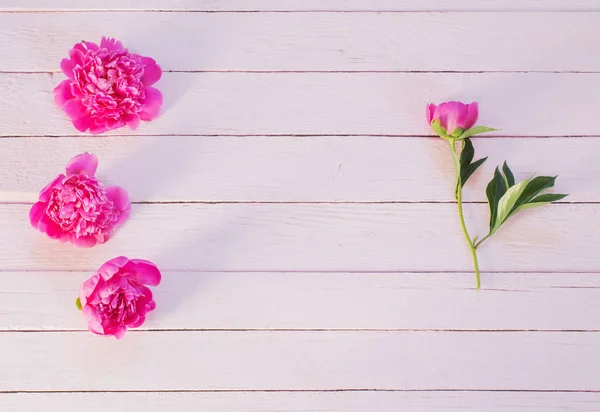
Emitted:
<point x="53" y="72"/>
<point x="312" y="330"/>
<point x="302" y="390"/>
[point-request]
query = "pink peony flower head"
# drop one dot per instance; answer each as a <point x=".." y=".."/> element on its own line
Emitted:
<point x="108" y="87"/>
<point x="116" y="297"/>
<point x="453" y="115"/>
<point x="75" y="207"/>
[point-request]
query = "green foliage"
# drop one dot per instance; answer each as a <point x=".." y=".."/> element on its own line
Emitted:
<point x="505" y="198"/>
<point x="467" y="166"/>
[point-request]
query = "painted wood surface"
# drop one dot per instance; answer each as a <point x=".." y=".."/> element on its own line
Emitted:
<point x="359" y="401"/>
<point x="315" y="41"/>
<point x="187" y="360"/>
<point x="332" y="301"/>
<point x="295" y="169"/>
<point x="303" y="5"/>
<point x="319" y="237"/>
<point x="301" y="213"/>
<point x="328" y="103"/>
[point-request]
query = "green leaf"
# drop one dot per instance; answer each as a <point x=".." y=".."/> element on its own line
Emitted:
<point x="466" y="154"/>
<point x="466" y="174"/>
<point x="535" y="187"/>
<point x="509" y="177"/>
<point x="78" y="304"/>
<point x="466" y="167"/>
<point x="458" y="132"/>
<point x="476" y="130"/>
<point x="509" y="201"/>
<point x="494" y="191"/>
<point x="437" y="127"/>
<point x="541" y="200"/>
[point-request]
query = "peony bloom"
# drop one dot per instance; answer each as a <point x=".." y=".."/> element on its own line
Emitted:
<point x="77" y="208"/>
<point x="453" y="117"/>
<point x="108" y="87"/>
<point x="116" y="297"/>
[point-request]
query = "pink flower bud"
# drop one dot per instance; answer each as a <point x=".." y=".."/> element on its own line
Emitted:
<point x="453" y="115"/>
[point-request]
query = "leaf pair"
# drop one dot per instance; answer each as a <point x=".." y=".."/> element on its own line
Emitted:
<point x="505" y="198"/>
<point x="467" y="166"/>
<point x="459" y="133"/>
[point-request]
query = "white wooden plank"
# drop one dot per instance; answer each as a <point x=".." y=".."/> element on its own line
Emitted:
<point x="300" y="361"/>
<point x="303" y="401"/>
<point x="45" y="301"/>
<point x="523" y="104"/>
<point x="315" y="41"/>
<point x="319" y="237"/>
<point x="295" y="169"/>
<point x="303" y="5"/>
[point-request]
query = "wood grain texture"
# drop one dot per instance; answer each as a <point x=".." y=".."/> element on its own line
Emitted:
<point x="295" y="169"/>
<point x="315" y="41"/>
<point x="304" y="5"/>
<point x="327" y="103"/>
<point x="224" y="301"/>
<point x="303" y="402"/>
<point x="319" y="237"/>
<point x="300" y="361"/>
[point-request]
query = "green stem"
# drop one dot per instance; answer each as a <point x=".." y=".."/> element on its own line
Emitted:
<point x="477" y="244"/>
<point x="461" y="215"/>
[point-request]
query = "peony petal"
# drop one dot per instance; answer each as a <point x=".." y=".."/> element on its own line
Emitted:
<point x="152" y="71"/>
<point x="110" y="268"/>
<point x="62" y="93"/>
<point x="74" y="109"/>
<point x="50" y="228"/>
<point x="83" y="124"/>
<point x="45" y="192"/>
<point x="85" y="162"/>
<point x="95" y="325"/>
<point x="146" y="273"/>
<point x="152" y="104"/>
<point x="110" y="44"/>
<point x="472" y="115"/>
<point x="76" y="54"/>
<point x="119" y="332"/>
<point x="97" y="129"/>
<point x="430" y="111"/>
<point x="36" y="212"/>
<point x="84" y="242"/>
<point x="119" y="197"/>
<point x="87" y="289"/>
<point x="66" y="65"/>
<point x="451" y="114"/>
<point x="133" y="121"/>
<point x="138" y="323"/>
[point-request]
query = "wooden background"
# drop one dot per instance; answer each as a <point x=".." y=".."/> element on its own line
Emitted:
<point x="301" y="213"/>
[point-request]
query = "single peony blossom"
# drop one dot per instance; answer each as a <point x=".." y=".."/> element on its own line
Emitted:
<point x="75" y="207"/>
<point x="452" y="117"/>
<point x="116" y="297"/>
<point x="108" y="87"/>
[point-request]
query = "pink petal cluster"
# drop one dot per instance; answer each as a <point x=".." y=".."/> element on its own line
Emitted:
<point x="453" y="115"/>
<point x="108" y="87"/>
<point x="116" y="297"/>
<point x="75" y="207"/>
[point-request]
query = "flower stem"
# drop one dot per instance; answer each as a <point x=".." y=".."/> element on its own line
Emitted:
<point x="461" y="215"/>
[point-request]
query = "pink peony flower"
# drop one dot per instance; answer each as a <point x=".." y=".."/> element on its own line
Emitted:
<point x="453" y="115"/>
<point x="116" y="297"/>
<point x="108" y="87"/>
<point x="77" y="208"/>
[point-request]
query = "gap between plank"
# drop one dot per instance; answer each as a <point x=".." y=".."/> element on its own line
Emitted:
<point x="374" y="135"/>
<point x="312" y="330"/>
<point x="53" y="72"/>
<point x="304" y="391"/>
<point x="275" y="11"/>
